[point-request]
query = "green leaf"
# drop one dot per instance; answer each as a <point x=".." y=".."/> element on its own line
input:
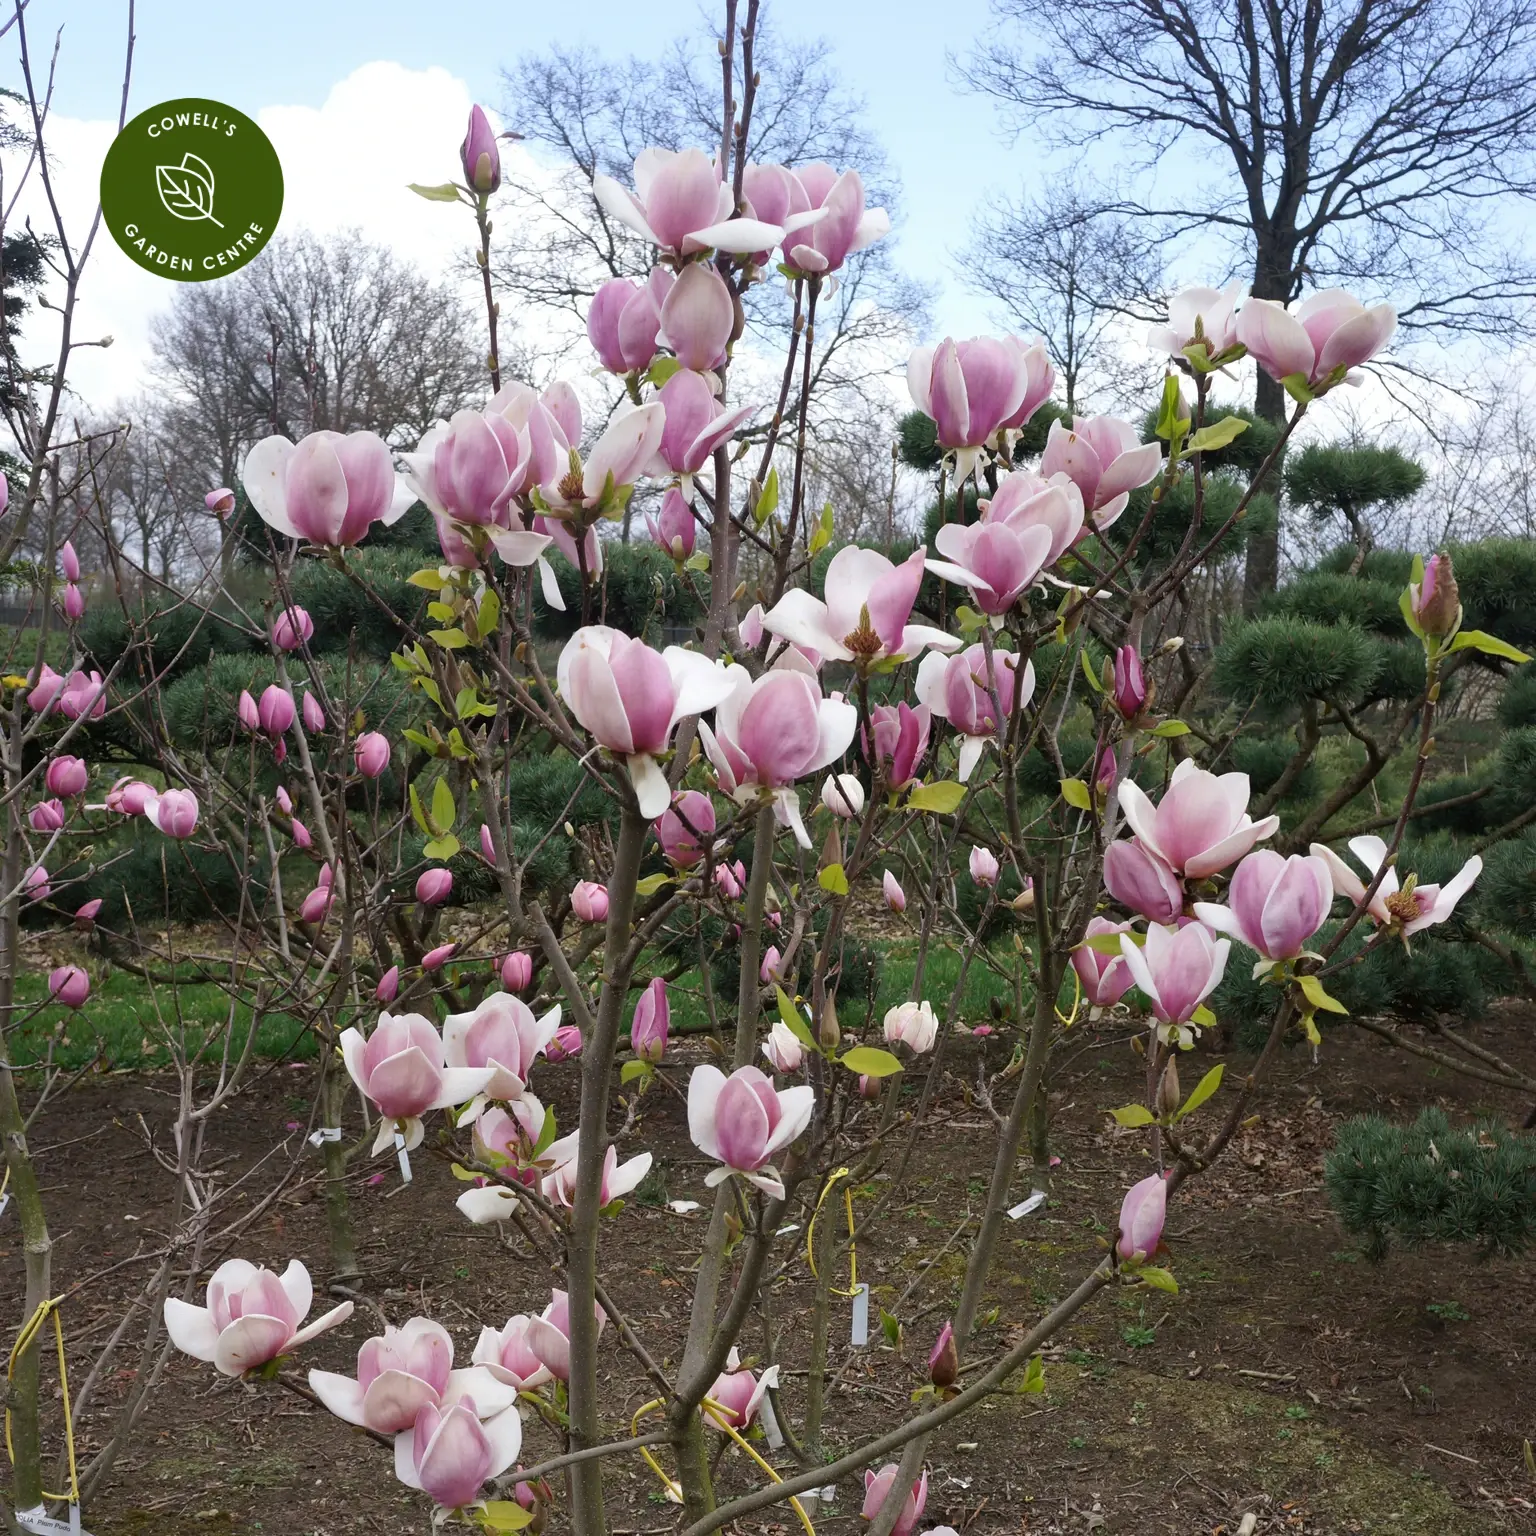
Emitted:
<point x="430" y="579"/>
<point x="823" y="534"/>
<point x="1167" y="728"/>
<point x="441" y="847"/>
<point x="1108" y="943"/>
<point x="1295" y="385"/>
<point x="891" y="1328"/>
<point x="793" y="1022"/>
<point x="442" y="612"/>
<point x="834" y="878"/>
<point x="450" y="639"/>
<point x="651" y="884"/>
<point x="489" y="614"/>
<point x="462" y="1174"/>
<point x="1076" y="794"/>
<point x="870" y="1061"/>
<point x="1477" y="640"/>
<point x="662" y="370"/>
<point x="444" y="192"/>
<point x="1034" y="1376"/>
<point x="1133" y="1115"/>
<point x="1202" y="1091"/>
<point x="943" y="798"/>
<point x="1168" y="408"/>
<point x="1158" y="1279"/>
<point x="633" y="1069"/>
<point x="968" y="619"/>
<point x="1405" y="605"/>
<point x="429" y="687"/>
<point x="697" y="562"/>
<point x="419" y="813"/>
<point x="1203" y="1017"/>
<point x="443" y="809"/>
<point x="1217" y="435"/>
<point x="424" y="742"/>
<point x="1094" y="681"/>
<point x="1318" y="996"/>
<point x="505" y="1515"/>
<point x="768" y="498"/>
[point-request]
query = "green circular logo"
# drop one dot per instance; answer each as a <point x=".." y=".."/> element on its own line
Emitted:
<point x="191" y="189"/>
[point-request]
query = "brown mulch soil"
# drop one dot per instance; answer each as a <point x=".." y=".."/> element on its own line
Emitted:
<point x="1289" y="1377"/>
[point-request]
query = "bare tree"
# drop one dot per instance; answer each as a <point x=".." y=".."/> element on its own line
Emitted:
<point x="1371" y="142"/>
<point x="1058" y="266"/>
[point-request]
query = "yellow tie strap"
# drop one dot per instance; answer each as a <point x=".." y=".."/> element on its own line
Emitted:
<point x="24" y="1341"/>
<point x="810" y="1233"/>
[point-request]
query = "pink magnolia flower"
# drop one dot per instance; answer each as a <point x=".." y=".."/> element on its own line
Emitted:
<point x="697" y="317"/>
<point x="901" y="740"/>
<point x="128" y="797"/>
<point x="470" y="470"/>
<point x="743" y="1120"/>
<point x="1415" y="910"/>
<point x="895" y="897"/>
<point x="275" y="712"/>
<point x="1320" y="341"/>
<point x="370" y="752"/>
<point x="1025" y="500"/>
<point x="731" y="880"/>
<point x="1142" y="1214"/>
<point x="737" y="1394"/>
<point x="402" y="1070"/>
<point x="69" y="562"/>
<point x="783" y="1048"/>
<point x="1274" y="904"/>
<point x="1105" y="978"/>
<point x="220" y="502"/>
<point x="46" y="816"/>
<point x="674" y="530"/>
<point x="327" y="488"/>
<point x="835" y="225"/>
<point x="997" y="563"/>
<point x="399" y="1372"/>
<point x="252" y="1316"/>
<point x="449" y="1454"/>
<point x="507" y="1355"/>
<point x="589" y="901"/>
<point x="681" y="204"/>
<point x="984" y="866"/>
<point x="617" y="1181"/>
<point x="83" y="695"/>
<point x="770" y="732"/>
<point x="36" y="884"/>
<point x="1106" y="773"/>
<point x="624" y="318"/>
<point x="389" y="986"/>
<point x="436" y="959"/>
<point x="653" y="1019"/>
<point x="877" y="1488"/>
<point x="516" y="971"/>
<point x="1435" y="601"/>
<point x="959" y="689"/>
<point x="1105" y="459"/>
<point x="246" y="712"/>
<point x="66" y="777"/>
<point x="1138" y="879"/>
<point x="549" y="1334"/>
<point x="1213" y="310"/>
<point x="173" y="812"/>
<point x="69" y="985"/>
<point x="487" y="844"/>
<point x="316" y="906"/>
<point x="696" y="424"/>
<point x="314" y="716"/>
<point x="505" y="1139"/>
<point x="458" y="551"/>
<point x="1178" y="968"/>
<point x="1128" y="691"/>
<point x="85" y="915"/>
<point x="433" y="886"/>
<point x="865" y="617"/>
<point x="1201" y="825"/>
<point x="630" y="697"/>
<point x="685" y="829"/>
<point x="1039" y="381"/>
<point x="969" y="388"/>
<point x="914" y="1025"/>
<point x="74" y="603"/>
<point x="292" y="629"/>
<point x="45" y="690"/>
<point x="565" y="1044"/>
<point x="625" y="451"/>
<point x="502" y="1034"/>
<point x="479" y="154"/>
<point x="771" y="968"/>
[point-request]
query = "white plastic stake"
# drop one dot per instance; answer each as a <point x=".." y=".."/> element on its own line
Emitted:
<point x="860" y="1316"/>
<point x="770" y="1422"/>
<point x="404" y="1158"/>
<point x="1024" y="1207"/>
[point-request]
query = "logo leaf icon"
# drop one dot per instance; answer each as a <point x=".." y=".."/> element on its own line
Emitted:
<point x="186" y="190"/>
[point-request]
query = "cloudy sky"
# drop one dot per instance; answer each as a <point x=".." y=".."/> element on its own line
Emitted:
<point x="363" y="96"/>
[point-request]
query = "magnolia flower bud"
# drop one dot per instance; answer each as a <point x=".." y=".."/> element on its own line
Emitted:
<point x="1437" y="601"/>
<point x="516" y="971"/>
<point x="69" y="562"/>
<point x="984" y="866"/>
<point x="478" y="154"/>
<point x="389" y="986"/>
<point x="829" y="1034"/>
<point x="74" y="603"/>
<point x="69" y="985"/>
<point x="371" y="754"/>
<point x="842" y="794"/>
<point x="1168" y="1089"/>
<point x="433" y="887"/>
<point x="220" y="502"/>
<point x="944" y="1358"/>
<point x="895" y="897"/>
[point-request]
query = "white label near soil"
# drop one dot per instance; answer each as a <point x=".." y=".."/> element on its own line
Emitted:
<point x="41" y="1523"/>
<point x="1024" y="1207"/>
<point x="860" y="1316"/>
<point x="404" y="1157"/>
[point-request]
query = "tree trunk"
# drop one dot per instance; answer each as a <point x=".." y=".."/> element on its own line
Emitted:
<point x="1272" y="279"/>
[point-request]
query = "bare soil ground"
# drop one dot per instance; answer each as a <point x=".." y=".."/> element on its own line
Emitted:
<point x="1289" y="1377"/>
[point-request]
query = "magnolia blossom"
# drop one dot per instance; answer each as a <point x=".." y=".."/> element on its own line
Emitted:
<point x="46" y="816"/>
<point x="1274" y="904"/>
<point x="686" y="828"/>
<point x="960" y="689"/>
<point x="402" y="1070"/>
<point x="479" y="154"/>
<point x="1200" y="825"/>
<point x="221" y="502"/>
<point x="900" y="740"/>
<point x="505" y="1139"/>
<point x="914" y="1025"/>
<point x="507" y="1355"/>
<point x="589" y="901"/>
<point x="1178" y="968"/>
<point x="1415" y="908"/>
<point x="1435" y="600"/>
<point x="618" y="1179"/>
<point x="399" y="1372"/>
<point x="1141" y="881"/>
<point x="470" y="469"/>
<point x="944" y="1358"/>
<point x="434" y="886"/>
<point x="450" y="1455"/>
<point x="370" y="752"/>
<point x="783" y="1048"/>
<point x="1142" y="1214"/>
<point x="1025" y="500"/>
<point x="37" y="886"/>
<point x="630" y="697"/>
<point x="696" y="424"/>
<point x="252" y="1316"/>
<point x="67" y="777"/>
<point x="327" y="488"/>
<point x="292" y="629"/>
<point x="743" y="1120"/>
<point x="275" y="711"/>
<point x="1105" y="459"/>
<point x="435" y="959"/>
<point x="681" y="204"/>
<point x="1210" y="311"/>
<point x="737" y="1394"/>
<point x="1128" y="690"/>
<point x="389" y="986"/>
<point x="1319" y="341"/>
<point x="997" y="563"/>
<point x="877" y="1488"/>
<point x="842" y="794"/>
<point x="313" y="715"/>
<point x="82" y="695"/>
<point x="517" y="971"/>
<point x="173" y="812"/>
<point x="970" y="389"/>
<point x="566" y="1043"/>
<point x="652" y="1019"/>
<point x="549" y="1334"/>
<point x="1039" y="381"/>
<point x="697" y="317"/>
<point x="1105" y="978"/>
<point x="832" y="223"/>
<point x="502" y="1034"/>
<point x="69" y="985"/>
<point x="772" y="731"/>
<point x="895" y="897"/>
<point x="624" y="318"/>
<point x="984" y="866"/>
<point x="770" y="968"/>
<point x="625" y="451"/>
<point x="865" y="617"/>
<point x="675" y="530"/>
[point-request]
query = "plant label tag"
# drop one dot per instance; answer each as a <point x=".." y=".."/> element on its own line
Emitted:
<point x="827" y="1495"/>
<point x="5" y="1200"/>
<point x="1024" y="1207"/>
<point x="404" y="1158"/>
<point x="770" y="1422"/>
<point x="860" y="1316"/>
<point x="324" y="1134"/>
<point x="41" y="1523"/>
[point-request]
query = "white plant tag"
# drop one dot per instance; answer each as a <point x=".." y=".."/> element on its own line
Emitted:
<point x="771" y="1431"/>
<point x="5" y="1200"/>
<point x="827" y="1495"/>
<point x="1024" y="1207"/>
<point x="41" y="1523"/>
<point x="324" y="1134"/>
<point x="860" y="1316"/>
<point x="404" y="1158"/>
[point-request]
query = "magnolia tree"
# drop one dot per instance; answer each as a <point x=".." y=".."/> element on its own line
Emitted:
<point x="841" y="731"/>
